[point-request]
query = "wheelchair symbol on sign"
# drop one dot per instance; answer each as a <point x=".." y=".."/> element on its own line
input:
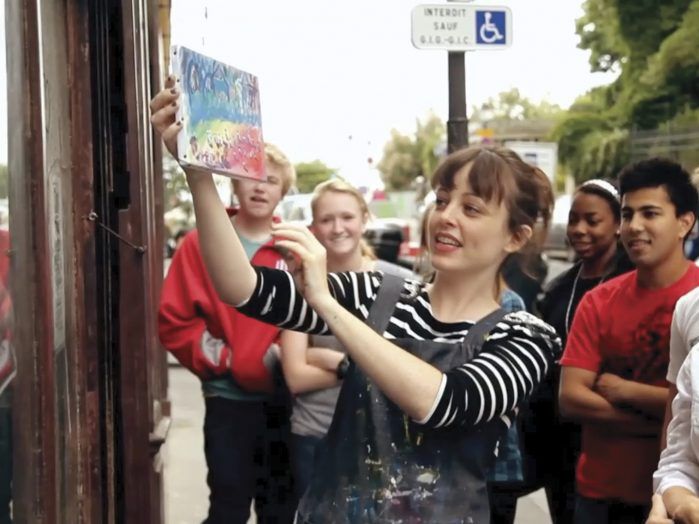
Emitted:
<point x="489" y="32"/>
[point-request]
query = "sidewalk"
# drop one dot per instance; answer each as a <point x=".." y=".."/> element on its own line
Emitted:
<point x="186" y="494"/>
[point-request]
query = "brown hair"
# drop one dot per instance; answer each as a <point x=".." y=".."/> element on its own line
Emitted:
<point x="421" y="266"/>
<point x="337" y="185"/>
<point x="499" y="174"/>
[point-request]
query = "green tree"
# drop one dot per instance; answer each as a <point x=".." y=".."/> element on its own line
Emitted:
<point x="407" y="157"/>
<point x="176" y="191"/>
<point x="671" y="75"/>
<point x="511" y="105"/>
<point x="430" y="135"/>
<point x="652" y="44"/>
<point x="310" y="174"/>
<point x="599" y="32"/>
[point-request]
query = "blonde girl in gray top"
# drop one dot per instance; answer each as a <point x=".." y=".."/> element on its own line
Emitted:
<point x="314" y="364"/>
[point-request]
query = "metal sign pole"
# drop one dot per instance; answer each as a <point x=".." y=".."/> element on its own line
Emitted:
<point x="457" y="125"/>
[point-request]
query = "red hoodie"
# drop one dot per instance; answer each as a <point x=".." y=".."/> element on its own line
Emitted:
<point x="189" y="305"/>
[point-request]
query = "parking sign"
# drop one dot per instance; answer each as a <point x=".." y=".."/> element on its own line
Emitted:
<point x="491" y="27"/>
<point x="459" y="27"/>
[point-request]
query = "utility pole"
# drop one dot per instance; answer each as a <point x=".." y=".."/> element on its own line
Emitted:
<point x="457" y="125"/>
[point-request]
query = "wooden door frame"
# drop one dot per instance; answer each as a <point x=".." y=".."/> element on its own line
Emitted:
<point x="34" y="439"/>
<point x="100" y="490"/>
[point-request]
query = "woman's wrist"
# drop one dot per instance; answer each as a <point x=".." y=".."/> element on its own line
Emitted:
<point x="197" y="177"/>
<point x="324" y="358"/>
<point x="325" y="305"/>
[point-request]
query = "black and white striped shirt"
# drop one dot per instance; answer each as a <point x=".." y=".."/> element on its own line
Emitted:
<point x="514" y="358"/>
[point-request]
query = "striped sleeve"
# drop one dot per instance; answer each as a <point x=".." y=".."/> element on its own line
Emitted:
<point x="514" y="360"/>
<point x="276" y="300"/>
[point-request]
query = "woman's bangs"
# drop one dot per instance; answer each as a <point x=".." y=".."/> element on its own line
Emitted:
<point x="487" y="177"/>
<point x="451" y="165"/>
<point x="490" y="177"/>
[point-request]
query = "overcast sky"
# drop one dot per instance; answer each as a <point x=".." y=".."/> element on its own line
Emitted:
<point x="330" y="71"/>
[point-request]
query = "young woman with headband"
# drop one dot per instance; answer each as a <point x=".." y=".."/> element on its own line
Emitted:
<point x="593" y="232"/>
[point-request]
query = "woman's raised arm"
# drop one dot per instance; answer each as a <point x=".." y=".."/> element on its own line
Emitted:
<point x="224" y="256"/>
<point x="225" y="259"/>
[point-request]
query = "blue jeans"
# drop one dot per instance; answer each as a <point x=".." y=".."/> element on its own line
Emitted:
<point x="247" y="455"/>
<point x="605" y="511"/>
<point x="303" y="454"/>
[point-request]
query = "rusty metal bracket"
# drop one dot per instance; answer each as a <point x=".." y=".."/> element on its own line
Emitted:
<point x="94" y="217"/>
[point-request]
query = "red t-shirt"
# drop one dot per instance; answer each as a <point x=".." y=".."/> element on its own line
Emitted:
<point x="623" y="329"/>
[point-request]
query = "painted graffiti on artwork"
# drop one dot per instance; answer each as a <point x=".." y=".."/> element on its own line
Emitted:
<point x="221" y="116"/>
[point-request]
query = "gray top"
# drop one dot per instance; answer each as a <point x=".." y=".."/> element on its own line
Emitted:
<point x="313" y="411"/>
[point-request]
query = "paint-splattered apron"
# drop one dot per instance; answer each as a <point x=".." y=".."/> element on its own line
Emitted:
<point x="376" y="466"/>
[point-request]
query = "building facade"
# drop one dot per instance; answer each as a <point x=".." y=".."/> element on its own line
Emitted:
<point x="83" y="383"/>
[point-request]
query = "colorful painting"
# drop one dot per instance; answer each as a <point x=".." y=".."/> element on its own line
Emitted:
<point x="220" y="110"/>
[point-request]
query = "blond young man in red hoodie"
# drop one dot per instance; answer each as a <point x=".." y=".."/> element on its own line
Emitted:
<point x="246" y="423"/>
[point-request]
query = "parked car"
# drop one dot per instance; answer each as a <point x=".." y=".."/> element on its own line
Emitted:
<point x="556" y="244"/>
<point x="296" y="208"/>
<point x="386" y="237"/>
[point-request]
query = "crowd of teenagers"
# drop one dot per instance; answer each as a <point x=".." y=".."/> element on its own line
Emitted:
<point x="340" y="388"/>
